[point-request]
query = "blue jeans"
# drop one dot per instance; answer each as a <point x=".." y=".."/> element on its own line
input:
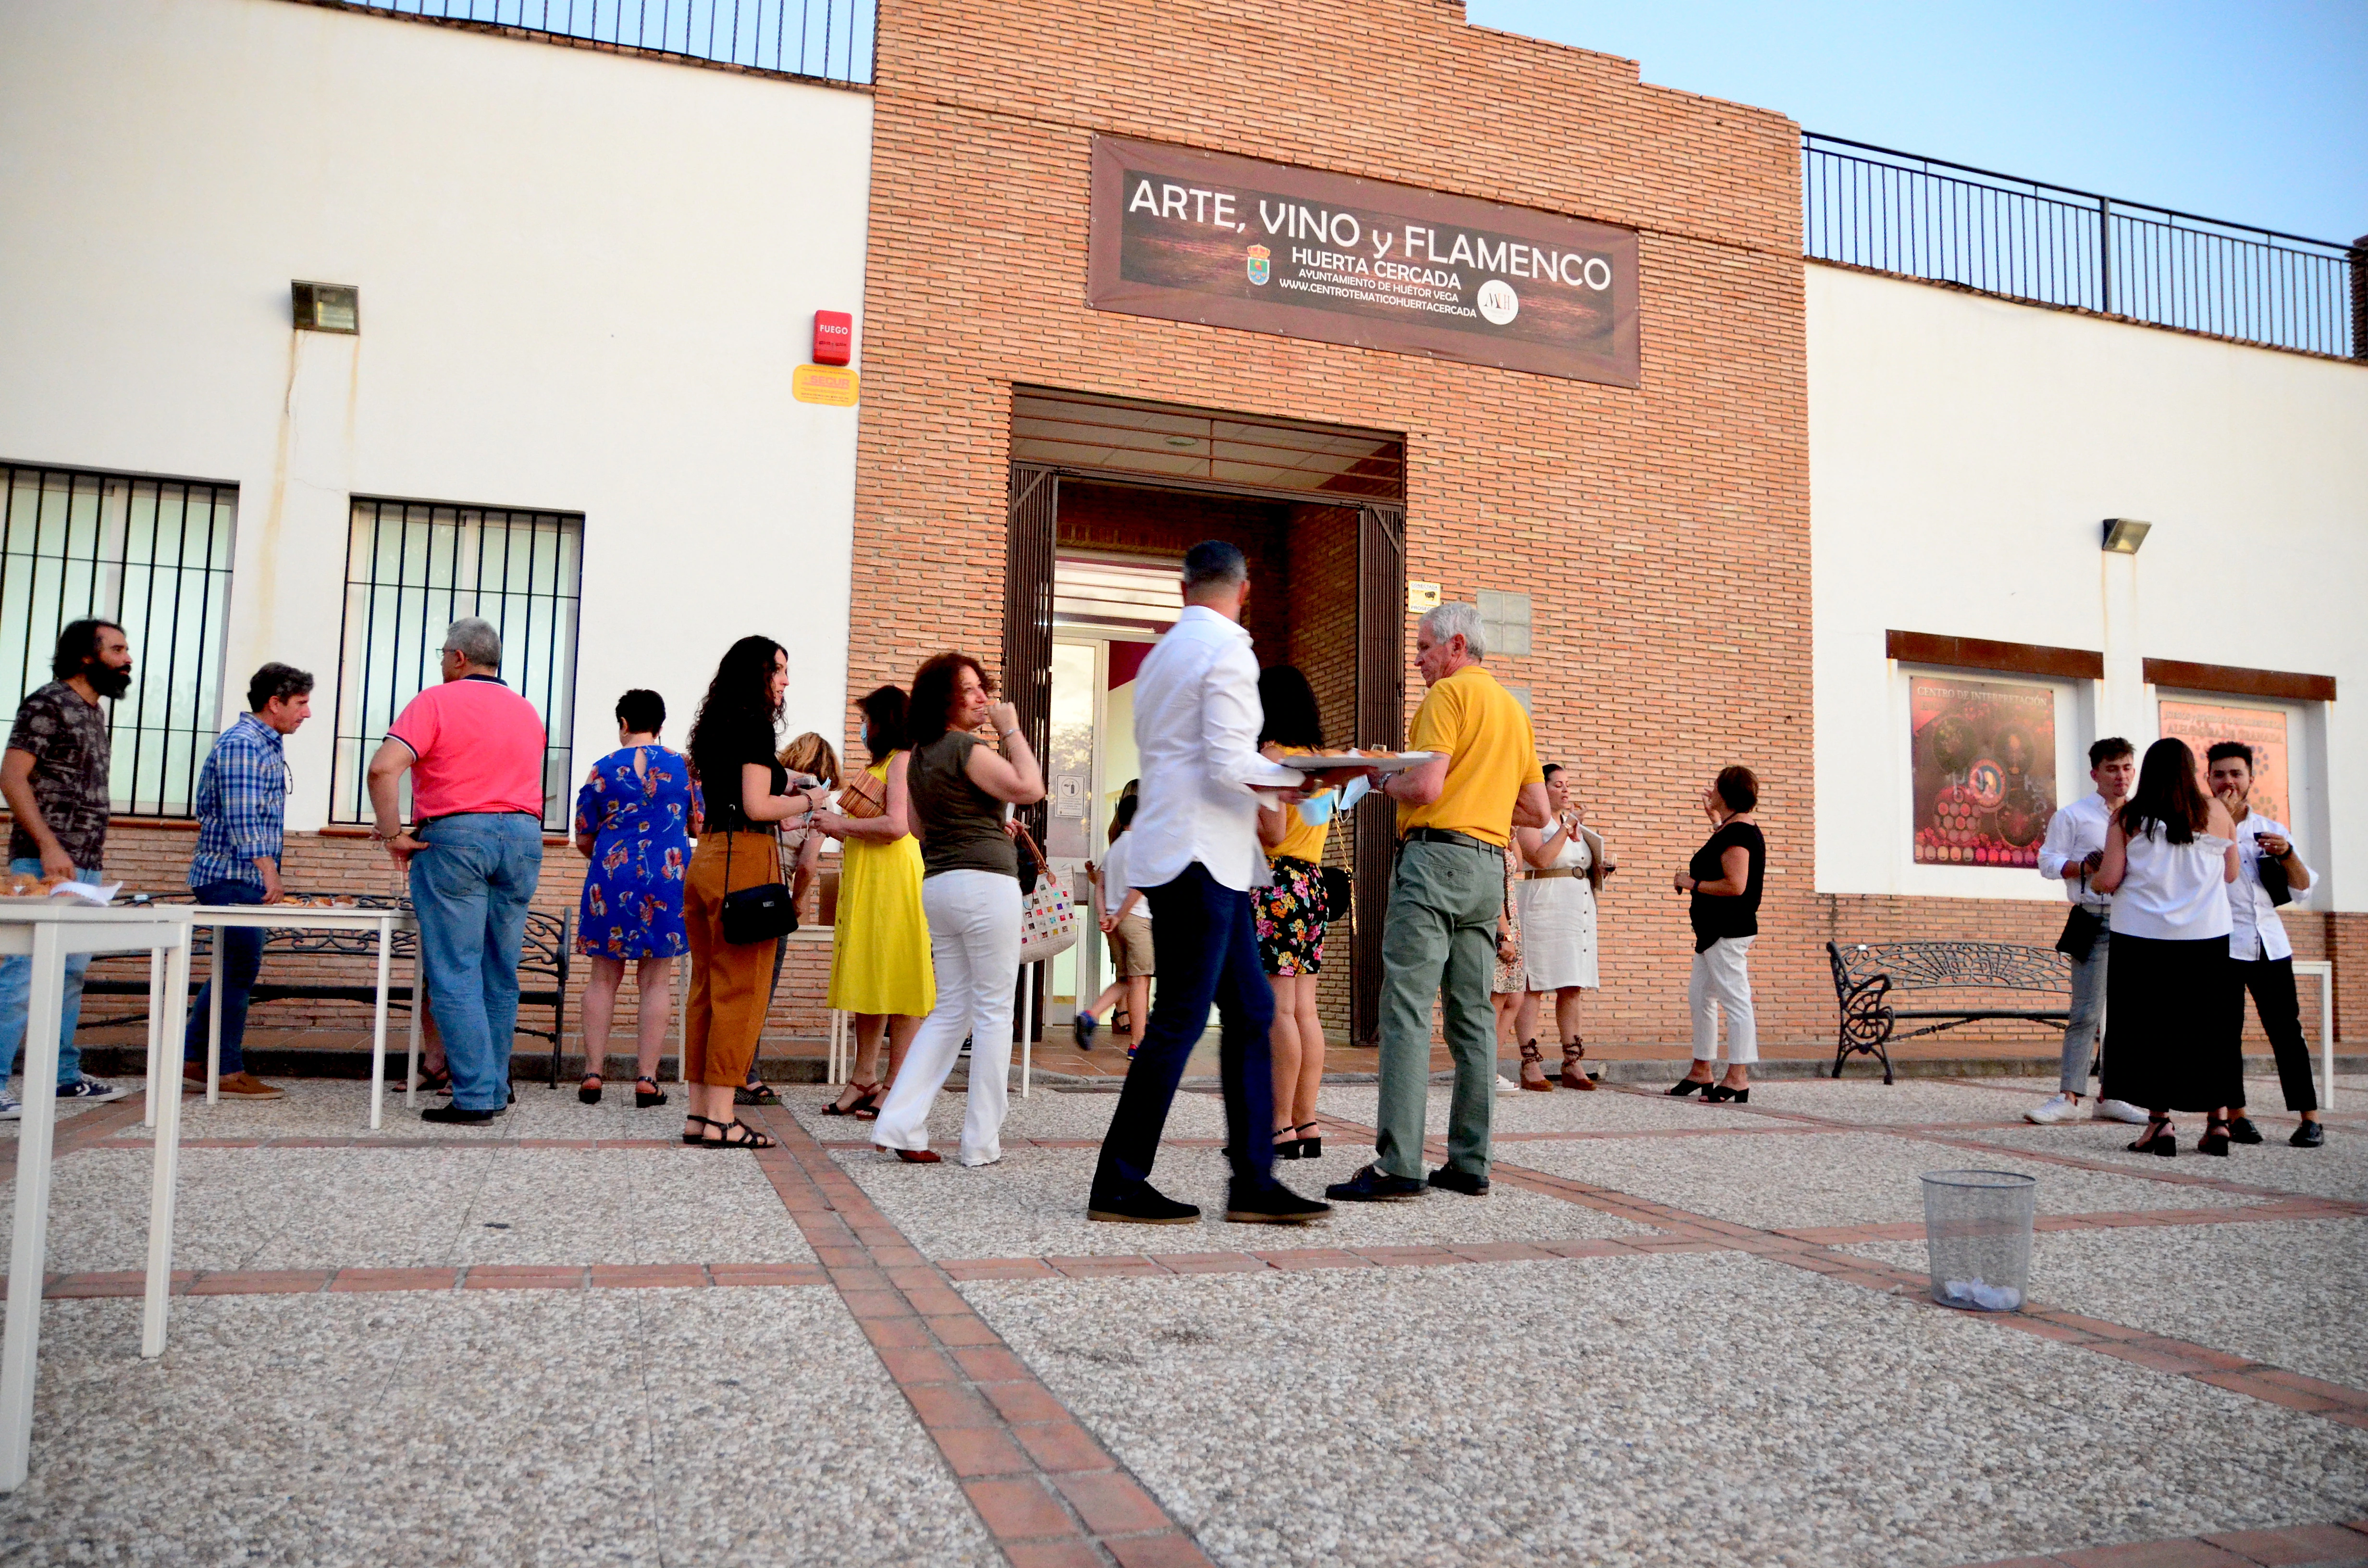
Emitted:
<point x="242" y="961"/>
<point x="469" y="889"/>
<point x="16" y="993"/>
<point x="2088" y="1015"/>
<point x="1204" y="943"/>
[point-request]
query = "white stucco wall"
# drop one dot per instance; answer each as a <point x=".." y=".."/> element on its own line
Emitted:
<point x="586" y="280"/>
<point x="1962" y="454"/>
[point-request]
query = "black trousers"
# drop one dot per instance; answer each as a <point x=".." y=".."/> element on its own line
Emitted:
<point x="2272" y="985"/>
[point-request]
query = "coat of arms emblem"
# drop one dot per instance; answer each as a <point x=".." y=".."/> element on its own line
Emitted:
<point x="1259" y="254"/>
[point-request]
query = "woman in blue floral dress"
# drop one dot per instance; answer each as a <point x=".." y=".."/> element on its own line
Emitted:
<point x="634" y="818"/>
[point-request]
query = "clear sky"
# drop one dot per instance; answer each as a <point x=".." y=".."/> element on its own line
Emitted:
<point x="2254" y="111"/>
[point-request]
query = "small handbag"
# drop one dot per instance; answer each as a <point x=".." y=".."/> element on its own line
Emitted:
<point x="1048" y="917"/>
<point x="762" y="913"/>
<point x="1339" y="894"/>
<point x="2080" y="929"/>
<point x="863" y="796"/>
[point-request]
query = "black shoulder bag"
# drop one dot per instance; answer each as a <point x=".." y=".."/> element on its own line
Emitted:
<point x="762" y="913"/>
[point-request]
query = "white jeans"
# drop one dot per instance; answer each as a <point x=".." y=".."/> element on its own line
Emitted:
<point x="974" y="946"/>
<point x="1721" y="975"/>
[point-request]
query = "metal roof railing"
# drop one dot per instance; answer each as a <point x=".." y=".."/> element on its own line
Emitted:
<point x="830" y="41"/>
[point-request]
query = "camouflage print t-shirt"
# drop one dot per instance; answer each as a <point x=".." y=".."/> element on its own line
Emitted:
<point x="68" y="739"/>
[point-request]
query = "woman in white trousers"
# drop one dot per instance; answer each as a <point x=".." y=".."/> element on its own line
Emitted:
<point x="1723" y="879"/>
<point x="956" y="787"/>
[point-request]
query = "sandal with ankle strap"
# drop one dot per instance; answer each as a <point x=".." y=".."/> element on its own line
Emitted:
<point x="2215" y="1139"/>
<point x="1309" y="1148"/>
<point x="749" y="1137"/>
<point x="868" y="1099"/>
<point x="699" y="1137"/>
<point x="644" y="1098"/>
<point x="1529" y="1058"/>
<point x="2157" y="1139"/>
<point x="588" y="1091"/>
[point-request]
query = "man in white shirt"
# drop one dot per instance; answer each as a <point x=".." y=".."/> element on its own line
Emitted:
<point x="2075" y="847"/>
<point x="2257" y="940"/>
<point x="1194" y="852"/>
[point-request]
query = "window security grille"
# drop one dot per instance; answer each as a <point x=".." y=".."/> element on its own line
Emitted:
<point x="412" y="569"/>
<point x="1505" y="623"/>
<point x="153" y="555"/>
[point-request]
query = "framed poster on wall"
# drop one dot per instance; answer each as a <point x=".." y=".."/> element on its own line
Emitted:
<point x="1982" y="758"/>
<point x="2205" y="724"/>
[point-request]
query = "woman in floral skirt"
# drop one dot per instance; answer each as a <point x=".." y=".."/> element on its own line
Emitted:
<point x="634" y="818"/>
<point x="1291" y="911"/>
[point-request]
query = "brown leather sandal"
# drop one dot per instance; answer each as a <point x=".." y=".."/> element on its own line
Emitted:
<point x="1529" y="1058"/>
<point x="1574" y="1074"/>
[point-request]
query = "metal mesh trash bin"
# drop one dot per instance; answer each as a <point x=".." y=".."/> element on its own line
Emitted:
<point x="1977" y="1237"/>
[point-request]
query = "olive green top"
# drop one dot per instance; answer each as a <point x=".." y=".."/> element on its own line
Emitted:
<point x="960" y="826"/>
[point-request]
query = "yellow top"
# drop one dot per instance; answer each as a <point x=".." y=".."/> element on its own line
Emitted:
<point x="1492" y="752"/>
<point x="1305" y="839"/>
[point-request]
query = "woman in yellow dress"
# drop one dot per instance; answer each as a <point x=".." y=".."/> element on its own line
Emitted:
<point x="879" y="942"/>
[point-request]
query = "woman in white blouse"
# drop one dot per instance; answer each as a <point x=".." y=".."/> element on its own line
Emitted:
<point x="2173" y="1017"/>
<point x="1562" y="864"/>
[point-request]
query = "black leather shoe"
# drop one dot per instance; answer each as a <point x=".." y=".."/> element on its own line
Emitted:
<point x="2242" y="1130"/>
<point x="457" y="1115"/>
<point x="2309" y="1135"/>
<point x="1464" y="1182"/>
<point x="1144" y="1207"/>
<point x="1276" y="1205"/>
<point x="1373" y="1185"/>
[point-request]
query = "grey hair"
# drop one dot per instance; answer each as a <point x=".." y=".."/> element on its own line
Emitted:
<point x="1455" y="619"/>
<point x="475" y="639"/>
<point x="1213" y="561"/>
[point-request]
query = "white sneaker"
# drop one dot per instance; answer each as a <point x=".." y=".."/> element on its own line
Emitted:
<point x="13" y="1109"/>
<point x="2063" y="1107"/>
<point x="2117" y="1110"/>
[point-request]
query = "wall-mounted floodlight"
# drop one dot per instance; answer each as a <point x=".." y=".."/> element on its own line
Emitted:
<point x="2124" y="535"/>
<point x="327" y="307"/>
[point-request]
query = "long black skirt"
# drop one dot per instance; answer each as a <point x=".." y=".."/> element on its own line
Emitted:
<point x="2174" y="1024"/>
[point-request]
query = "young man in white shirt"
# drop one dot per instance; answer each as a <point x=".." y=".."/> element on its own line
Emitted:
<point x="2075" y="847"/>
<point x="1194" y="852"/>
<point x="2257" y="944"/>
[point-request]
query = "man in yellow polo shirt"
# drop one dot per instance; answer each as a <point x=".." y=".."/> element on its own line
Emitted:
<point x="1455" y="815"/>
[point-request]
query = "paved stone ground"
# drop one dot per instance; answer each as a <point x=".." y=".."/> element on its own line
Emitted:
<point x="1672" y="1333"/>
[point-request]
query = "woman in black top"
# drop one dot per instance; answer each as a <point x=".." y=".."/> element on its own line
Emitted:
<point x="1723" y="878"/>
<point x="748" y="799"/>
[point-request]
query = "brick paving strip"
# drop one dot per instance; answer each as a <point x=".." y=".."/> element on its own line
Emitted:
<point x="2303" y="1546"/>
<point x="1050" y="1495"/>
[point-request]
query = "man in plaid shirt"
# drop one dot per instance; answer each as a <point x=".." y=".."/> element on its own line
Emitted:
<point x="242" y="810"/>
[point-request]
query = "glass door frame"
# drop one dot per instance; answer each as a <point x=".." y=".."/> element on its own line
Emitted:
<point x="1090" y="945"/>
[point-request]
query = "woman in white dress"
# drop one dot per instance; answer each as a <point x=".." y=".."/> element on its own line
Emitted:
<point x="1565" y="863"/>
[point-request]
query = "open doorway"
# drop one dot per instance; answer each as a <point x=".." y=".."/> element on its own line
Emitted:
<point x="1098" y="539"/>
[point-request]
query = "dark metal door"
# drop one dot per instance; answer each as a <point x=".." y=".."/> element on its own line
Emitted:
<point x="1027" y="673"/>
<point x="1380" y="720"/>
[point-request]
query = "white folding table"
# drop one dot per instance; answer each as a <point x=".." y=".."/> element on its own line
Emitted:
<point x="2324" y="970"/>
<point x="386" y="922"/>
<point x="48" y="931"/>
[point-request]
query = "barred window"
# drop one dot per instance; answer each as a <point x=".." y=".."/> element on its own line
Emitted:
<point x="414" y="567"/>
<point x="153" y="556"/>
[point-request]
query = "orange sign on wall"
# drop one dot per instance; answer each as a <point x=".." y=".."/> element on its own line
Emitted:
<point x="2205" y="725"/>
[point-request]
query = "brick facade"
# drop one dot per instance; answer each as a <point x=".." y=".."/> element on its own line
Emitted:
<point x="1663" y="531"/>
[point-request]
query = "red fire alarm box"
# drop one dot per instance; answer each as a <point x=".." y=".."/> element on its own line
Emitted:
<point x="834" y="337"/>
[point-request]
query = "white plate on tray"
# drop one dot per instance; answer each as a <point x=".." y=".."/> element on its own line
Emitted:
<point x="1335" y="762"/>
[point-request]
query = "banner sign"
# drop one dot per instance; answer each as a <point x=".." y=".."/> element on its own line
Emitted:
<point x="1983" y="754"/>
<point x="2205" y="725"/>
<point x="1187" y="236"/>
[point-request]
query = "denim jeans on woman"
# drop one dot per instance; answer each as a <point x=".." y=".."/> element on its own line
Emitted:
<point x="242" y="962"/>
<point x="16" y="993"/>
<point x="470" y="888"/>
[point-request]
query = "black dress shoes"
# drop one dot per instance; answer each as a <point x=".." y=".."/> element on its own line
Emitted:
<point x="1373" y="1185"/>
<point x="2309" y="1135"/>
<point x="2242" y="1130"/>
<point x="457" y="1115"/>
<point x="1144" y="1208"/>
<point x="1464" y="1182"/>
<point x="1274" y="1205"/>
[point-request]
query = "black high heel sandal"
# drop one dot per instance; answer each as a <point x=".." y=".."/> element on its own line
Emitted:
<point x="588" y="1091"/>
<point x="644" y="1098"/>
<point x="1719" y="1094"/>
<point x="2215" y="1139"/>
<point x="1286" y="1143"/>
<point x="2157" y="1139"/>
<point x="1309" y="1148"/>
<point x="1685" y="1086"/>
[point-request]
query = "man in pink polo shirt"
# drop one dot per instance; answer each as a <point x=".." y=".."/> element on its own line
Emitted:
<point x="474" y="750"/>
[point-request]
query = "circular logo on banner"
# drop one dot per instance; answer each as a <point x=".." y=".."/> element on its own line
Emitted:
<point x="1497" y="302"/>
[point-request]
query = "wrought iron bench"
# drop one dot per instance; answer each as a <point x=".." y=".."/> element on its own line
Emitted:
<point x="543" y="962"/>
<point x="1869" y="975"/>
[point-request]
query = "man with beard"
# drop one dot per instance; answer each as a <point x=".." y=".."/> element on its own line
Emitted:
<point x="54" y="778"/>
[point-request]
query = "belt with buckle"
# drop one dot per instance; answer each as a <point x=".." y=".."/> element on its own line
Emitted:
<point x="1445" y="835"/>
<point x="1555" y="871"/>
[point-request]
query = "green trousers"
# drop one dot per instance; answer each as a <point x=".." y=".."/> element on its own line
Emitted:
<point x="1439" y="943"/>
